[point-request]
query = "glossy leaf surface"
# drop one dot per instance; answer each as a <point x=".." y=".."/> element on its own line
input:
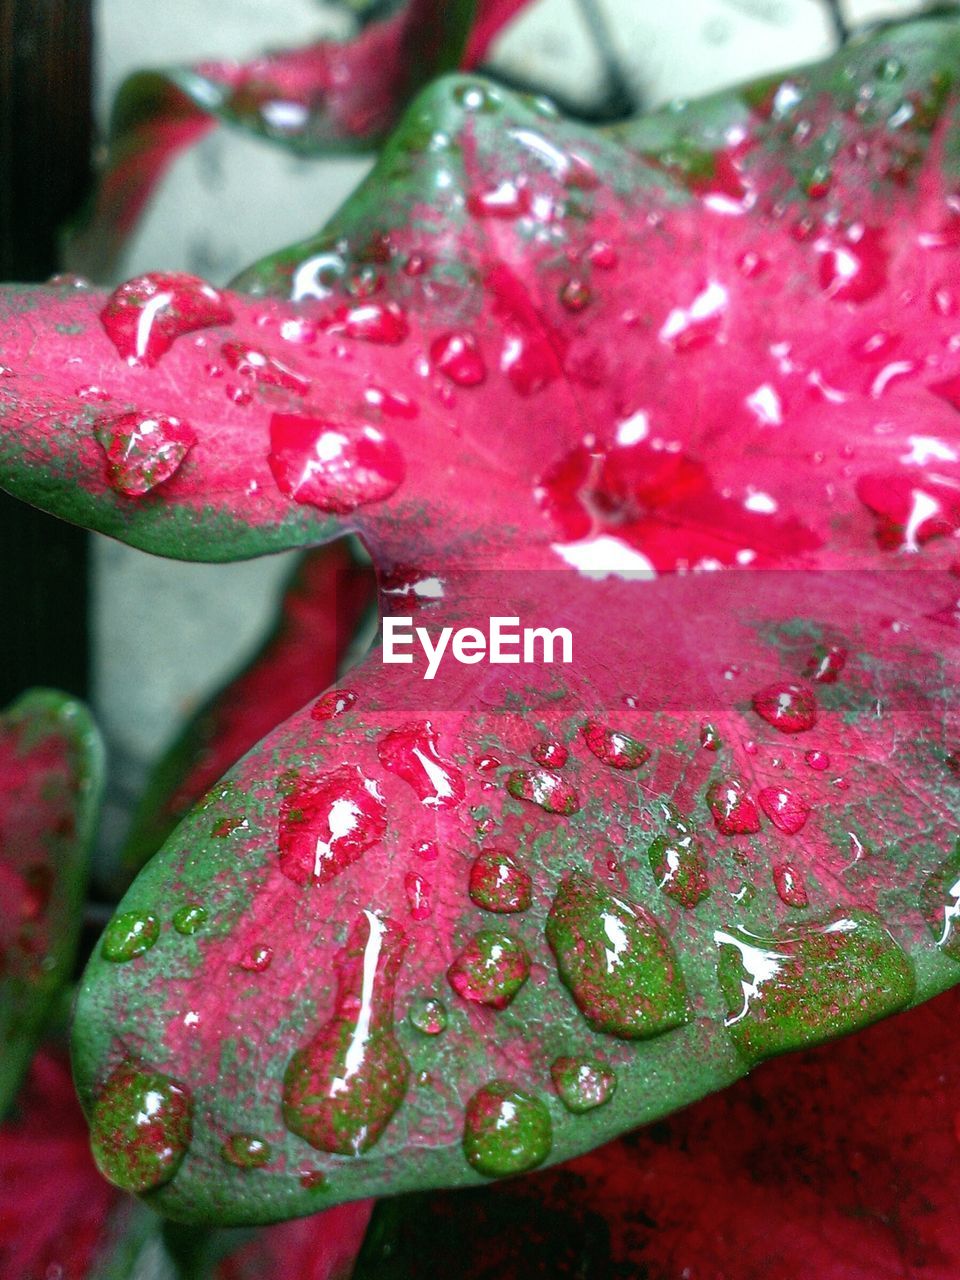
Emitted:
<point x="51" y="763"/>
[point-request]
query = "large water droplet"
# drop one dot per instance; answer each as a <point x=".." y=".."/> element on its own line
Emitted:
<point x="812" y="983"/>
<point x="616" y="960"/>
<point x="140" y="1128"/>
<point x="940" y="904"/>
<point x="340" y="1090"/>
<point x="129" y="934"/>
<point x="550" y="753"/>
<point x="789" y="885"/>
<point x="614" y="747"/>
<point x="785" y="809"/>
<point x="506" y="1131"/>
<point x="142" y="449"/>
<point x="457" y="355"/>
<point x="789" y="706"/>
<point x="542" y="787"/>
<point x="411" y="752"/>
<point x="499" y="883"/>
<point x="853" y="268"/>
<point x="327" y="822"/>
<point x="582" y="1084"/>
<point x="678" y="863"/>
<point x="733" y="809"/>
<point x="144" y="316"/>
<point x="490" y="970"/>
<point x="331" y="465"/>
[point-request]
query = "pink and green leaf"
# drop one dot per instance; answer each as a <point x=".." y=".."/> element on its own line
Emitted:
<point x="525" y="360"/>
<point x="51" y="763"/>
<point x="327" y="96"/>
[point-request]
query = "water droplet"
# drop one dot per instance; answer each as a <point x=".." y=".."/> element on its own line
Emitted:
<point x="417" y="888"/>
<point x="341" y="1090"/>
<point x="427" y="849"/>
<point x="733" y="809"/>
<point x="143" y="317"/>
<point x="490" y="969"/>
<point x="142" y="449"/>
<point x="393" y="403"/>
<point x="552" y="754"/>
<point x="785" y="809"/>
<point x="582" y="1083"/>
<point x="499" y="883"/>
<point x="709" y="737"/>
<point x="333" y="703"/>
<point x="542" y="787"/>
<point x="246" y="1151"/>
<point x="616" y="961"/>
<point x="457" y="355"/>
<point x="789" y="885"/>
<point x="789" y="707"/>
<point x="603" y="255"/>
<point x="264" y="370"/>
<point x="334" y="466"/>
<point x="256" y="959"/>
<point x="505" y="1130"/>
<point x="411" y="752"/>
<point x="575" y="295"/>
<point x="226" y="826"/>
<point x="528" y="360"/>
<point x="818" y="760"/>
<point x="140" y="1128"/>
<point x="327" y="822"/>
<point x="129" y="934"/>
<point x="614" y="747"/>
<point x="812" y="983"/>
<point x="853" y="268"/>
<point x="379" y="322"/>
<point x="940" y="904"/>
<point x="429" y="1016"/>
<point x="678" y="863"/>
<point x="826" y="663"/>
<point x="93" y="394"/>
<point x="506" y="200"/>
<point x="189" y="918"/>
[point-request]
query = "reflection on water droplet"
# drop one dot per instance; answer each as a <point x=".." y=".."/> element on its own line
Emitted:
<point x="140" y="1128"/>
<point x="129" y="934"/>
<point x="331" y="465"/>
<point x="490" y="969"/>
<point x="412" y="753"/>
<point x="341" y="1089"/>
<point x="582" y="1084"/>
<point x="505" y="1130"/>
<point x="327" y="822"/>
<point x="142" y="449"/>
<point x="812" y="983"/>
<point x="542" y="787"/>
<point x="143" y="317"/>
<point x="616" y="961"/>
<point x="498" y="883"/>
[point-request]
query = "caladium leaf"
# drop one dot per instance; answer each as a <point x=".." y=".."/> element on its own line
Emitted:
<point x="526" y="346"/>
<point x="329" y="95"/>
<point x="599" y="288"/>
<point x="389" y="942"/>
<point x="838" y="1163"/>
<point x="328" y="594"/>
<point x="51" y="763"/>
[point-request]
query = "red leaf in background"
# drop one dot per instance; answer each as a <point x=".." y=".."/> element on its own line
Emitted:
<point x="840" y="1163"/>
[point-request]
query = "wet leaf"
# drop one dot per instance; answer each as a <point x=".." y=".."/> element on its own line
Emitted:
<point x="51" y="762"/>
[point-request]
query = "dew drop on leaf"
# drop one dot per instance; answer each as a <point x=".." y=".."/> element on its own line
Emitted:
<point x="853" y="266"/>
<point x="333" y="703"/>
<point x="498" y="883"/>
<point x="143" y="317"/>
<point x="490" y="969"/>
<point x="678" y="863"/>
<point x="940" y="905"/>
<point x="789" y="885"/>
<point x="246" y="1151"/>
<point x="429" y="1016"/>
<point x="129" y="934"/>
<point x="257" y="958"/>
<point x="818" y="760"/>
<point x="582" y="1084"/>
<point x="412" y="753"/>
<point x="613" y="747"/>
<point x="327" y="822"/>
<point x="377" y="322"/>
<point x="262" y="369"/>
<point x="788" y="706"/>
<point x="734" y="811"/>
<point x="189" y="918"/>
<point x="506" y="1131"/>
<point x="785" y="808"/>
<point x="616" y="961"/>
<point x="417" y="888"/>
<point x="508" y="199"/>
<point x="142" y="449"/>
<point x="826" y="664"/>
<point x="811" y="983"/>
<point x="544" y="788"/>
<point x="140" y="1128"/>
<point x="330" y="465"/>
<point x="457" y="356"/>
<point x="341" y="1089"/>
